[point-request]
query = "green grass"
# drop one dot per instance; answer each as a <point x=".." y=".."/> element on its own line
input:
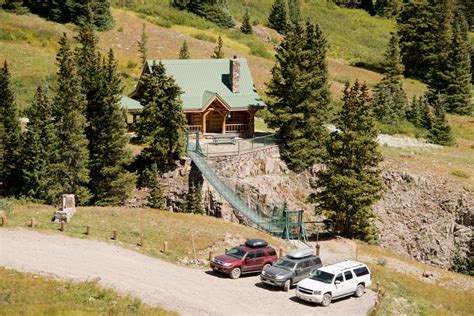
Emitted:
<point x="177" y="229"/>
<point x="30" y="294"/>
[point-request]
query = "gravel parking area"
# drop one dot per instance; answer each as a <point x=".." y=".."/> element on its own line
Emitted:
<point x="184" y="290"/>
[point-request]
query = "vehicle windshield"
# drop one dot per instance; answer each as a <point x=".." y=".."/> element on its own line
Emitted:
<point x="286" y="264"/>
<point x="236" y="253"/>
<point x="322" y="276"/>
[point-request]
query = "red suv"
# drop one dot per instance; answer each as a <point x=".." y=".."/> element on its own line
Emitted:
<point x="254" y="256"/>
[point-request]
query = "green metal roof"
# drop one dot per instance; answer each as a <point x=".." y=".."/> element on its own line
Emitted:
<point x="202" y="79"/>
<point x="130" y="104"/>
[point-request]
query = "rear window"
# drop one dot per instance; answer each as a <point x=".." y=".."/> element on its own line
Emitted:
<point x="361" y="271"/>
<point x="259" y="254"/>
<point x="348" y="275"/>
<point x="271" y="252"/>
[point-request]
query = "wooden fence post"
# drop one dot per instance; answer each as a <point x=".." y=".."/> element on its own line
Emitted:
<point x="140" y="243"/>
<point x="210" y="255"/>
<point x="318" y="249"/>
<point x="4" y="220"/>
<point x="280" y="252"/>
<point x="114" y="234"/>
<point x="88" y="230"/>
<point x="165" y="247"/>
<point x="33" y="222"/>
<point x="61" y="226"/>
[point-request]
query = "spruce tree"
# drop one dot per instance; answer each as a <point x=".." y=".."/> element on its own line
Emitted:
<point x="440" y="131"/>
<point x="218" y="53"/>
<point x="389" y="97"/>
<point x="294" y="11"/>
<point x="416" y="30"/>
<point x="193" y="203"/>
<point x="10" y="137"/>
<point x="41" y="151"/>
<point x="184" y="51"/>
<point x="69" y="105"/>
<point x="278" y="18"/>
<point x="15" y="6"/>
<point x="350" y="182"/>
<point x="142" y="50"/>
<point x="299" y="93"/>
<point x="368" y="5"/>
<point x="246" y="27"/>
<point x="155" y="196"/>
<point x="162" y="123"/>
<point x="387" y="8"/>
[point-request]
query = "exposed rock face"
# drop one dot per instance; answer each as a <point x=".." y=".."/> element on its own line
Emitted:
<point x="425" y="217"/>
<point x="420" y="215"/>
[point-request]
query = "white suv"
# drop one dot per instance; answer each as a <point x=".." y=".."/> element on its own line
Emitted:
<point x="334" y="281"/>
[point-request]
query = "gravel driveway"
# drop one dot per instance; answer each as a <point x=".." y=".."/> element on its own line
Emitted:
<point x="155" y="282"/>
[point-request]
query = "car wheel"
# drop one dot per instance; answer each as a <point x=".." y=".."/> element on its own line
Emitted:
<point x="286" y="286"/>
<point x="266" y="266"/>
<point x="235" y="273"/>
<point x="359" y="290"/>
<point x="326" y="299"/>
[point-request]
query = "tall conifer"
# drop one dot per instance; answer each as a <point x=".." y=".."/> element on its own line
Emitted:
<point x="246" y="27"/>
<point x="69" y="106"/>
<point x="299" y="94"/>
<point x="142" y="50"/>
<point x="350" y="182"/>
<point x="278" y="18"/>
<point x="294" y="11"/>
<point x="10" y="137"/>
<point x="389" y="96"/>
<point x="163" y="123"/>
<point x="41" y="151"/>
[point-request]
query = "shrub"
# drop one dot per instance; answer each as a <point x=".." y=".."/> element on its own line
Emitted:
<point x="120" y="29"/>
<point x="204" y="37"/>
<point x="460" y="174"/>
<point x="131" y="64"/>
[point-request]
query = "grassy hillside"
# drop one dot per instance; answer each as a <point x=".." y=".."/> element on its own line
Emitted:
<point x="30" y="294"/>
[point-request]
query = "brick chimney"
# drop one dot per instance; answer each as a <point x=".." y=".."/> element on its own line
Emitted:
<point x="234" y="72"/>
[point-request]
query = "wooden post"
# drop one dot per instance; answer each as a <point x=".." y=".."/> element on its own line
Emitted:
<point x="318" y="247"/>
<point x="210" y="255"/>
<point x="4" y="220"/>
<point x="165" y="247"/>
<point x="88" y="230"/>
<point x="280" y="252"/>
<point x="140" y="243"/>
<point x="194" y="247"/>
<point x="114" y="234"/>
<point x="33" y="222"/>
<point x="61" y="226"/>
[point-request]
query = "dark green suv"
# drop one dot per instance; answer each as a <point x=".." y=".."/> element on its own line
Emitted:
<point x="291" y="269"/>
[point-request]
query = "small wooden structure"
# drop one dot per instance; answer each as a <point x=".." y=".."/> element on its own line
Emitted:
<point x="219" y="96"/>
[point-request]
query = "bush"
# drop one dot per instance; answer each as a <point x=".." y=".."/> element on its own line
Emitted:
<point x="131" y="64"/>
<point x="204" y="37"/>
<point x="461" y="174"/>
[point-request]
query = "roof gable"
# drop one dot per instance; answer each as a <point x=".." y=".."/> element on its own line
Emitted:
<point x="201" y="79"/>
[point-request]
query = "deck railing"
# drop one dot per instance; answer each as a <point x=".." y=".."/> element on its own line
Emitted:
<point x="237" y="128"/>
<point x="194" y="128"/>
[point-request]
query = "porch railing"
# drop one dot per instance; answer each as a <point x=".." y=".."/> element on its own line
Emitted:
<point x="237" y="127"/>
<point x="194" y="128"/>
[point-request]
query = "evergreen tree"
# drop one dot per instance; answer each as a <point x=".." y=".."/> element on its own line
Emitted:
<point x="10" y="137"/>
<point x="368" y="6"/>
<point x="299" y="94"/>
<point x="294" y="11"/>
<point x="218" y="53"/>
<point x="350" y="183"/>
<point x="103" y="18"/>
<point x="212" y="10"/>
<point x="278" y="18"/>
<point x="440" y="131"/>
<point x="420" y="113"/>
<point x="184" y="52"/>
<point x="163" y="123"/>
<point x="156" y="198"/>
<point x="246" y="27"/>
<point x="389" y="96"/>
<point x="387" y="8"/>
<point x="142" y="46"/>
<point x="193" y="202"/>
<point x="15" y="6"/>
<point x="69" y="106"/>
<point x="41" y="151"/>
<point x="416" y="30"/>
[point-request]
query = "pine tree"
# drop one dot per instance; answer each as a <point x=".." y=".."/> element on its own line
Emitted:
<point x="69" y="106"/>
<point x="193" y="202"/>
<point x="218" y="53"/>
<point x="142" y="50"/>
<point x="299" y="94"/>
<point x="368" y="5"/>
<point x="155" y="196"/>
<point x="458" y="90"/>
<point x="389" y="96"/>
<point x="15" y="6"/>
<point x="103" y="18"/>
<point x="41" y="151"/>
<point x="246" y="27"/>
<point x="10" y="137"/>
<point x="387" y="8"/>
<point x="278" y="18"/>
<point x="163" y="123"/>
<point x="294" y="11"/>
<point x="416" y="24"/>
<point x="440" y="131"/>
<point x="212" y="10"/>
<point x="350" y="182"/>
<point x="184" y="52"/>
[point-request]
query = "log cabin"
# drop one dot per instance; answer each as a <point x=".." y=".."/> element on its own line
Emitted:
<point x="219" y="95"/>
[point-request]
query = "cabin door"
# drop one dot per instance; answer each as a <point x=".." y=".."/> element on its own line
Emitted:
<point x="214" y="122"/>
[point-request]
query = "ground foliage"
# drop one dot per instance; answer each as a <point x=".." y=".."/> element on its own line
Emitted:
<point x="212" y="10"/>
<point x="350" y="182"/>
<point x="299" y="92"/>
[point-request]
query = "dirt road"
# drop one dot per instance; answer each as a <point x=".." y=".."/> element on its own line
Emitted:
<point x="184" y="290"/>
